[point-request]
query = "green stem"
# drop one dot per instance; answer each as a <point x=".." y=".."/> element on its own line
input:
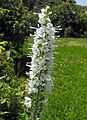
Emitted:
<point x="36" y="114"/>
<point x="36" y="108"/>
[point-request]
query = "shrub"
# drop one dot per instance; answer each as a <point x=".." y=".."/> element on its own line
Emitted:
<point x="14" y="20"/>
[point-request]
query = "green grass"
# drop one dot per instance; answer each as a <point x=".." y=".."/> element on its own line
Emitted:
<point x="68" y="100"/>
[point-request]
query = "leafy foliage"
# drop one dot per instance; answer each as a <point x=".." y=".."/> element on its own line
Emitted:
<point x="14" y="20"/>
<point x="11" y="90"/>
<point x="69" y="17"/>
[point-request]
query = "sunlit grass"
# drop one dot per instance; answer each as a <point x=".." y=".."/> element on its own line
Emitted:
<point x="69" y="98"/>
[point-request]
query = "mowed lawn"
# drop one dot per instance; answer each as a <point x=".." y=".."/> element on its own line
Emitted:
<point x="68" y="100"/>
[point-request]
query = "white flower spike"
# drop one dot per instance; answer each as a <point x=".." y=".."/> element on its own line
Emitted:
<point x="42" y="62"/>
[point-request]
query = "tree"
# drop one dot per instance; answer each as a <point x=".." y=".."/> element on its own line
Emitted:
<point x="69" y="16"/>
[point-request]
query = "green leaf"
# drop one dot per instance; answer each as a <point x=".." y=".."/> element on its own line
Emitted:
<point x="8" y="54"/>
<point x="2" y="101"/>
<point x="1" y="84"/>
<point x="1" y="48"/>
<point x="2" y="77"/>
<point x="2" y="113"/>
<point x="3" y="42"/>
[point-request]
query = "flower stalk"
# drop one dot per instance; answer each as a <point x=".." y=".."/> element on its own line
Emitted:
<point x="41" y="65"/>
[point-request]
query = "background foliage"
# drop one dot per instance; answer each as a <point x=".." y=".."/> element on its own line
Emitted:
<point x="71" y="17"/>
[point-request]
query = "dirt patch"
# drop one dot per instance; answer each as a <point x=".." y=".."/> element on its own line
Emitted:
<point x="76" y="43"/>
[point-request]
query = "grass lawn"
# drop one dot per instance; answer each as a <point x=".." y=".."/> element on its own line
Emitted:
<point x="68" y="100"/>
